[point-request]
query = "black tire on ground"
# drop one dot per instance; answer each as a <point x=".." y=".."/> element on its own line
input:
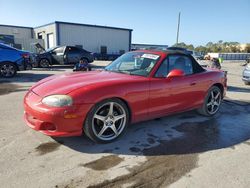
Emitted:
<point x="44" y="63"/>
<point x="8" y="69"/>
<point x="205" y="110"/>
<point x="247" y="83"/>
<point x="91" y="123"/>
<point x="85" y="60"/>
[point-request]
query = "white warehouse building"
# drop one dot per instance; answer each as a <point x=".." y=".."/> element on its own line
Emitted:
<point x="18" y="36"/>
<point x="94" y="38"/>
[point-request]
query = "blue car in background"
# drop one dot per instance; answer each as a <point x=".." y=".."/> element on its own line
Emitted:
<point x="13" y="60"/>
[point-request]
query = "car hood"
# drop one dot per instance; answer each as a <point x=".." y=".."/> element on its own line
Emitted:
<point x="23" y="51"/>
<point x="66" y="83"/>
<point x="44" y="53"/>
<point x="39" y="46"/>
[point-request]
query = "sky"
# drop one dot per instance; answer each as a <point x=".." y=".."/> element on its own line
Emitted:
<point x="152" y="21"/>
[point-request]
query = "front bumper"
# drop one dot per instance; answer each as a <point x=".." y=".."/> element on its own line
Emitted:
<point x="24" y="64"/>
<point x="52" y="121"/>
<point x="246" y="75"/>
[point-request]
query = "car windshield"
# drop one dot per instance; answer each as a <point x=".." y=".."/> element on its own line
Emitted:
<point x="50" y="49"/>
<point x="134" y="63"/>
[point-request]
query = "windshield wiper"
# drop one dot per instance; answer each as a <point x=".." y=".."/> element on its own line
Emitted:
<point x="131" y="73"/>
<point x="117" y="71"/>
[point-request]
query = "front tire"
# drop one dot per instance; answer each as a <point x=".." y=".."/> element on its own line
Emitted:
<point x="212" y="102"/>
<point x="107" y="121"/>
<point x="44" y="63"/>
<point x="247" y="83"/>
<point x="8" y="70"/>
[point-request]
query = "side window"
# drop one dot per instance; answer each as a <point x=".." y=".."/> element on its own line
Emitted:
<point x="73" y="50"/>
<point x="181" y="62"/>
<point x="59" y="51"/>
<point x="163" y="70"/>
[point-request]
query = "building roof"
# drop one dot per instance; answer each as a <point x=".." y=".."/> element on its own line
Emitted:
<point x="69" y="23"/>
<point x="89" y="25"/>
<point x="16" y="26"/>
<point x="156" y="45"/>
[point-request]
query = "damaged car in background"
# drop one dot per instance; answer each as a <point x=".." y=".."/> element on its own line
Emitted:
<point x="61" y="55"/>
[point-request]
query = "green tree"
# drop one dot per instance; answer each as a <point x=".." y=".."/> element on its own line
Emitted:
<point x="190" y="47"/>
<point x="247" y="48"/>
<point x="218" y="47"/>
<point x="209" y="44"/>
<point x="202" y="49"/>
<point x="184" y="45"/>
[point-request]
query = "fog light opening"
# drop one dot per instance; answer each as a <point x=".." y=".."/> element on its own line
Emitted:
<point x="48" y="126"/>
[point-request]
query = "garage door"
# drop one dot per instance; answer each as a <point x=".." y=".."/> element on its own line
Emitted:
<point x="50" y="40"/>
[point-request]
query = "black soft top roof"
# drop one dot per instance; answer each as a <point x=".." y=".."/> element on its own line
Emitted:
<point x="196" y="66"/>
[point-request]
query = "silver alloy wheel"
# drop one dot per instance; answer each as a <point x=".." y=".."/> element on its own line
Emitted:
<point x="214" y="101"/>
<point x="44" y="63"/>
<point x="109" y="121"/>
<point x="7" y="70"/>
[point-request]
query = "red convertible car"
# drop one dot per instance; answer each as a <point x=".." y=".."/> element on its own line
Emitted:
<point x="138" y="86"/>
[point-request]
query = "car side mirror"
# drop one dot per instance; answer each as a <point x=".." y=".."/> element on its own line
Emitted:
<point x="175" y="73"/>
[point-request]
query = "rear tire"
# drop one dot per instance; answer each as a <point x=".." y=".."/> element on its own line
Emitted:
<point x="212" y="102"/>
<point x="107" y="121"/>
<point x="8" y="70"/>
<point x="85" y="60"/>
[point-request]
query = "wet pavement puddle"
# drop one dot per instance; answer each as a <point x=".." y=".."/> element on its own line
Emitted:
<point x="155" y="172"/>
<point x="104" y="163"/>
<point x="6" y="88"/>
<point x="170" y="157"/>
<point x="47" y="147"/>
<point x="170" y="160"/>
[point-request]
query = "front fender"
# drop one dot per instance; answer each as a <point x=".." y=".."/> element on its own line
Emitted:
<point x="95" y="93"/>
<point x="135" y="94"/>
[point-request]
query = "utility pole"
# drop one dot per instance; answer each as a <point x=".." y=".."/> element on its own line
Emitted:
<point x="178" y="28"/>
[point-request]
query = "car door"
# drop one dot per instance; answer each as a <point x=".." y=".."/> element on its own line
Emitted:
<point x="9" y="54"/>
<point x="160" y="92"/>
<point x="1" y="52"/>
<point x="168" y="95"/>
<point x="73" y="55"/>
<point x="58" y="55"/>
<point x="186" y="89"/>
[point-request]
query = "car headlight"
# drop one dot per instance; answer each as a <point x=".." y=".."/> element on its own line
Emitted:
<point x="58" y="100"/>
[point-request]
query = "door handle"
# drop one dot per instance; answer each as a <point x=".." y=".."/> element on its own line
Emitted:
<point x="193" y="83"/>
